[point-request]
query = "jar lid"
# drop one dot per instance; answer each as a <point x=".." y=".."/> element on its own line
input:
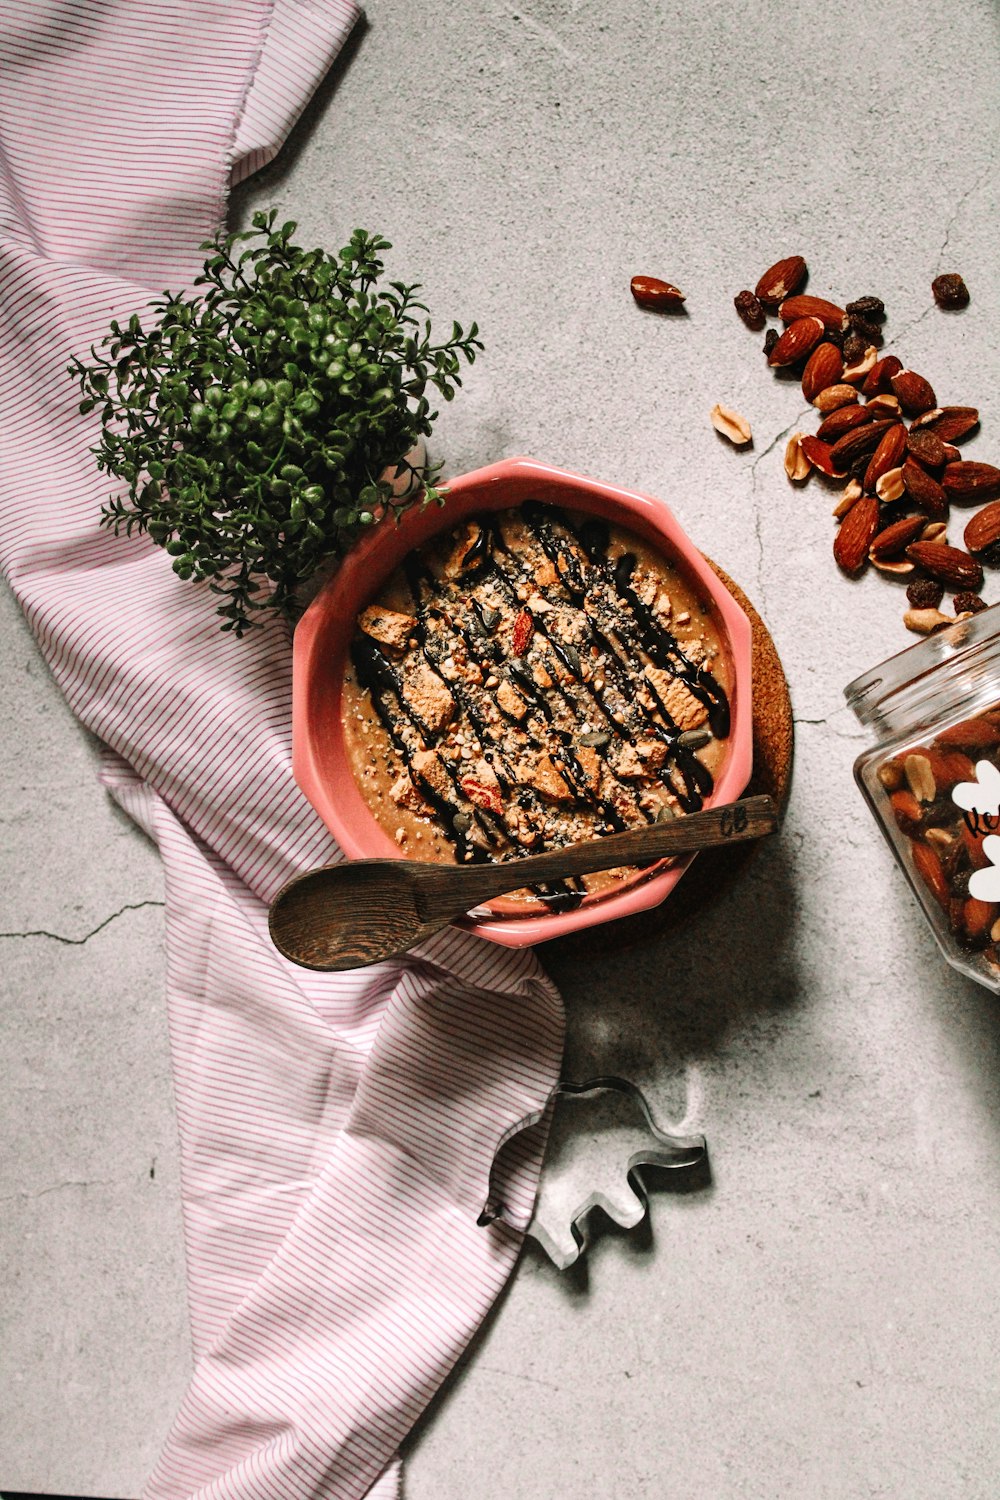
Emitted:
<point x="876" y="694"/>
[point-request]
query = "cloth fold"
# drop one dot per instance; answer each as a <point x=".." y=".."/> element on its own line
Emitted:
<point x="338" y="1132"/>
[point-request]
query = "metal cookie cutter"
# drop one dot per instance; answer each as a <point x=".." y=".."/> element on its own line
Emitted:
<point x="605" y="1152"/>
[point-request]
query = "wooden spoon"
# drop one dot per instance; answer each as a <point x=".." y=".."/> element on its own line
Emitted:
<point x="355" y="913"/>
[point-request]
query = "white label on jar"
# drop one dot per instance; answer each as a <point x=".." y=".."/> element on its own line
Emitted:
<point x="980" y="804"/>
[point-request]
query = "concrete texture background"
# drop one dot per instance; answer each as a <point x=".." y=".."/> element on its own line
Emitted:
<point x="822" y="1321"/>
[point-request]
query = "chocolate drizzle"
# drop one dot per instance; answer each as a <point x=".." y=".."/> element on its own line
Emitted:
<point x="591" y="637"/>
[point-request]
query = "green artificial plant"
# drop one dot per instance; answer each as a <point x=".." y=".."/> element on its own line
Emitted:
<point x="259" y="424"/>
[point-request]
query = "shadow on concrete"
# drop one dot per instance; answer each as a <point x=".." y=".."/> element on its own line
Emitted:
<point x="644" y="1010"/>
<point x="273" y="176"/>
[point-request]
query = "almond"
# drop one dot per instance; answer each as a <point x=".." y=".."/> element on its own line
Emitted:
<point x="907" y="811"/>
<point x="897" y="537"/>
<point x="973" y="846"/>
<point x="891" y="447"/>
<point x="829" y="314"/>
<point x="857" y="531"/>
<point x="780" y="280"/>
<point x="857" y="442"/>
<point x="949" y="422"/>
<point x="977" y="919"/>
<point x="650" y="291"/>
<point x="798" y="340"/>
<point x="730" y="424"/>
<point x="950" y="767"/>
<point x="931" y="872"/>
<point x="924" y="491"/>
<point x="949" y="565"/>
<point x="970" y="734"/>
<point x="952" y="455"/>
<point x="524" y="629"/>
<point x="797" y="466"/>
<point x="880" y="374"/>
<point x="984" y="528"/>
<point x="835" y="397"/>
<point x="971" y="483"/>
<point x="842" y="420"/>
<point x="820" y="455"/>
<point x="823" y="368"/>
<point x="916" y="395"/>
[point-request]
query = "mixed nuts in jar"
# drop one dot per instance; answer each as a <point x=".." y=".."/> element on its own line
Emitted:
<point x="933" y="781"/>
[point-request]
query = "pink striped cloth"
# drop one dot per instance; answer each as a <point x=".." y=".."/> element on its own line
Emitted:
<point x="338" y="1133"/>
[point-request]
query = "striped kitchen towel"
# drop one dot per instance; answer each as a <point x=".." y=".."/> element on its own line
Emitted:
<point x="338" y="1132"/>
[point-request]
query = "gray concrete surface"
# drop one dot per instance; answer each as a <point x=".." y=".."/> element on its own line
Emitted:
<point x="822" y="1321"/>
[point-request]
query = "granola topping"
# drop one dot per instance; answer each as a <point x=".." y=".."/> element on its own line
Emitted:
<point x="532" y="679"/>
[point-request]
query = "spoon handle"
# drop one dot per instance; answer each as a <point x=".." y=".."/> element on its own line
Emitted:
<point x="731" y="823"/>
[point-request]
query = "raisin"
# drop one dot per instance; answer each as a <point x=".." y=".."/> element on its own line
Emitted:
<point x="924" y="593"/>
<point x="854" y="347"/>
<point x="868" y="330"/>
<point x="868" y="307"/>
<point x="770" y="339"/>
<point x="968" y="604"/>
<point x="950" y="291"/>
<point x="750" y="310"/>
<point x="960" y="883"/>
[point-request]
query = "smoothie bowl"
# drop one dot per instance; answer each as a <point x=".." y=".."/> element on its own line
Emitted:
<point x="545" y="660"/>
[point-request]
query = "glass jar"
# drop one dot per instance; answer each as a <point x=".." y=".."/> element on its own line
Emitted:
<point x="932" y="782"/>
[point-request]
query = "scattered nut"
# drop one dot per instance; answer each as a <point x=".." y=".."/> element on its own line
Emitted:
<point x="797" y="466"/>
<point x="781" y="280"/>
<point x="852" y="492"/>
<point x="934" y="531"/>
<point x="834" y="397"/>
<point x="650" y="291"/>
<point x="897" y="567"/>
<point x="890" y="486"/>
<point x="730" y="424"/>
<point x="862" y="367"/>
<point x="925" y="621"/>
<point x="884" y="406"/>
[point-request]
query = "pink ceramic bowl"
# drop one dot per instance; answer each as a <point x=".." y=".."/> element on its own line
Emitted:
<point x="322" y="642"/>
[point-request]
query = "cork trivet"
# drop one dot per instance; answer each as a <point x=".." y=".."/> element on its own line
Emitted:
<point x="712" y="871"/>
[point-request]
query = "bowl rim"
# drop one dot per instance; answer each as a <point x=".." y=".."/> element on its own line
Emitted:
<point x="374" y="558"/>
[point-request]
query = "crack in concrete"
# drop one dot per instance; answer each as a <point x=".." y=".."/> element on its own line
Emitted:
<point x="58" y="937"/>
<point x="757" y="518"/>
<point x="57" y="1187"/>
<point x="963" y="200"/>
